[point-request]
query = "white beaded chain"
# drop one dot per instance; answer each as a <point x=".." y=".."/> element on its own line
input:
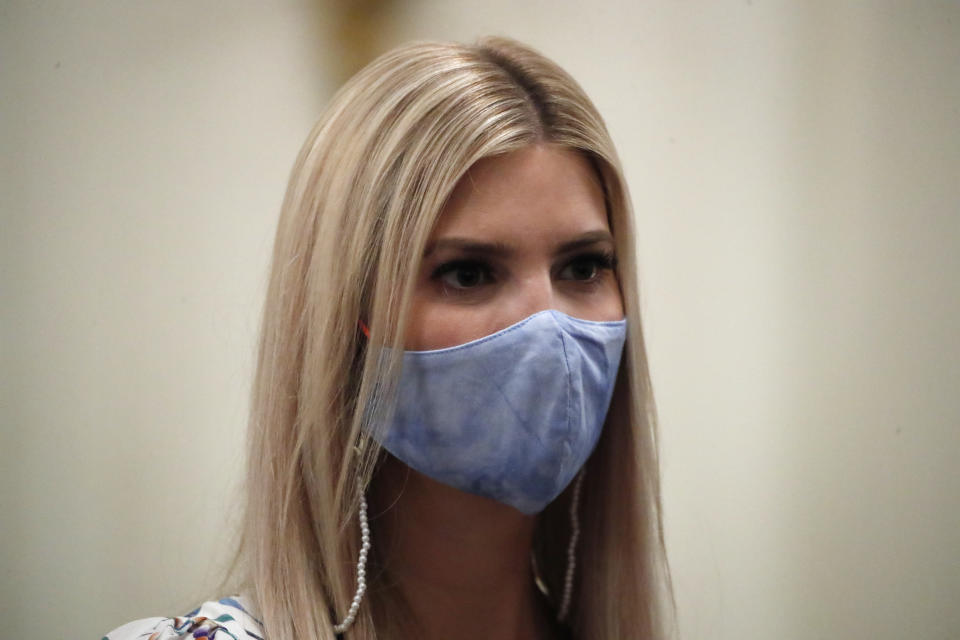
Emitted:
<point x="571" y="550"/>
<point x="365" y="548"/>
<point x="361" y="570"/>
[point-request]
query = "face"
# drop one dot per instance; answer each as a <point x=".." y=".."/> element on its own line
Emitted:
<point x="522" y="233"/>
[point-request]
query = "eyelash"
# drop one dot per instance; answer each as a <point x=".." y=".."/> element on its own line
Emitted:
<point x="602" y="260"/>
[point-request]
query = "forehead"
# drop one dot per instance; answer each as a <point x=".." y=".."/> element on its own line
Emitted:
<point x="539" y="192"/>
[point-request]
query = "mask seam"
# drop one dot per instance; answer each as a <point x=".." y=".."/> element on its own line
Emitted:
<point x="568" y="438"/>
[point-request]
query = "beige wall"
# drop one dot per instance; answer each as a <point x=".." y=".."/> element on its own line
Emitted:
<point x="145" y="152"/>
<point x="796" y="174"/>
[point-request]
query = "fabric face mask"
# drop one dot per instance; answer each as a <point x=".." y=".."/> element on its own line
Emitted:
<point x="512" y="416"/>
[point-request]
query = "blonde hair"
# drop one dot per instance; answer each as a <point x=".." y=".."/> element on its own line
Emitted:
<point x="364" y="194"/>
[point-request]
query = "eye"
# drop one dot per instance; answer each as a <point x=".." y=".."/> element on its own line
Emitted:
<point x="463" y="274"/>
<point x="588" y="267"/>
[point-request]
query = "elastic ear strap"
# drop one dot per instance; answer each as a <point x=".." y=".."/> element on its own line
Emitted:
<point x="364" y="328"/>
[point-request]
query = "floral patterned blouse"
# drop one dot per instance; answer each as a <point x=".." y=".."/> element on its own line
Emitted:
<point x="226" y="619"/>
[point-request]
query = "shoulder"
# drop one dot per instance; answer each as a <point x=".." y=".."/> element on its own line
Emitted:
<point x="224" y="619"/>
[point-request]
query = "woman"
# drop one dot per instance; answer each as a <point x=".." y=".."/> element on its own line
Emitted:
<point x="431" y="449"/>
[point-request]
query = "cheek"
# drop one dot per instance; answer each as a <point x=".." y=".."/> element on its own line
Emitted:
<point x="435" y="325"/>
<point x="604" y="304"/>
<point x="616" y="301"/>
<point x="613" y="299"/>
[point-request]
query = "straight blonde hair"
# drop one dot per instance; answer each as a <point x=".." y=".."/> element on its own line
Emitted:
<point x="364" y="195"/>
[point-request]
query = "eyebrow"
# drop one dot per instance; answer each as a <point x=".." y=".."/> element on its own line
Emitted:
<point x="502" y="249"/>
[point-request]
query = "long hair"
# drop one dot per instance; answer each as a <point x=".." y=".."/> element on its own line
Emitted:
<point x="363" y="197"/>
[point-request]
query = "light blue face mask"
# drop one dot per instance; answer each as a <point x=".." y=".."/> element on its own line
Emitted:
<point x="512" y="416"/>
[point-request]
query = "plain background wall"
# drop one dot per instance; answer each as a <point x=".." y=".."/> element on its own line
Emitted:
<point x="795" y="169"/>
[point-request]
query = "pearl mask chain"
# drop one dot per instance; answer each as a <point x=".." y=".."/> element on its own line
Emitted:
<point x="571" y="549"/>
<point x="348" y="621"/>
<point x="361" y="570"/>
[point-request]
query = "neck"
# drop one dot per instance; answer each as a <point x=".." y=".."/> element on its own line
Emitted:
<point x="461" y="562"/>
